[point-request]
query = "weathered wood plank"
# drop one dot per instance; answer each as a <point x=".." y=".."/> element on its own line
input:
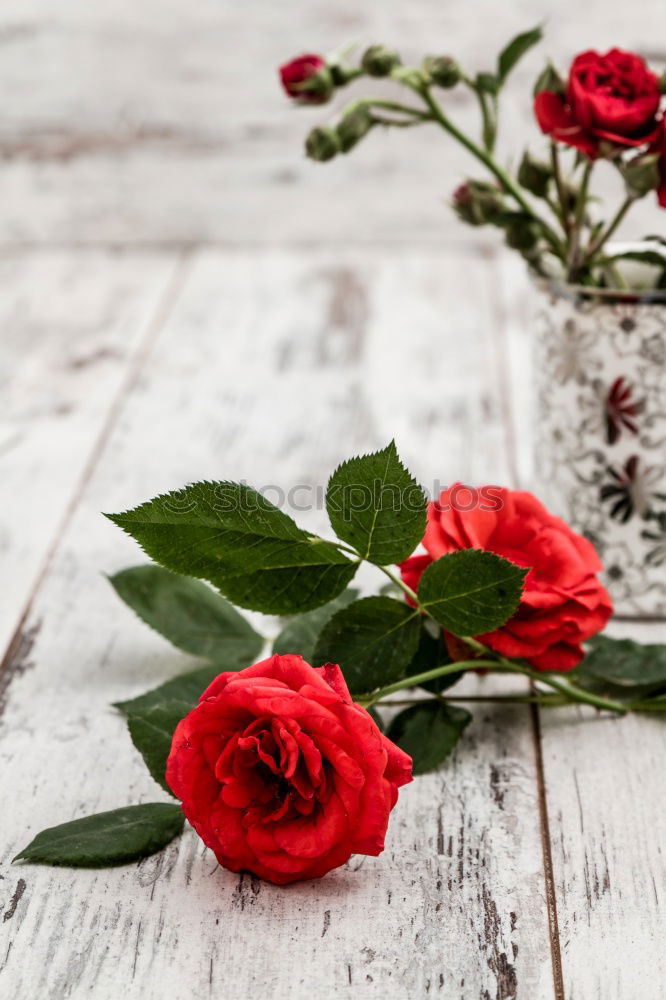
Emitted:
<point x="152" y="153"/>
<point x="273" y="367"/>
<point x="72" y="325"/>
<point x="604" y="779"/>
<point x="605" y="783"/>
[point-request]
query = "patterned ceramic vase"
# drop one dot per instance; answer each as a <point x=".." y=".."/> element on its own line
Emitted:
<point x="600" y="455"/>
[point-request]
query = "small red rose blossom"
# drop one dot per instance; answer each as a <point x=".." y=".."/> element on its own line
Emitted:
<point x="306" y="80"/>
<point x="612" y="98"/>
<point x="281" y="774"/>
<point x="563" y="603"/>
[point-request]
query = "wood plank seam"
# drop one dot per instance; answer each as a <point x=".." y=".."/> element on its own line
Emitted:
<point x="549" y="879"/>
<point x="14" y="656"/>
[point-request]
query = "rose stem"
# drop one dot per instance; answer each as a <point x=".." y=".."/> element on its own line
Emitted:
<point x="561" y="193"/>
<point x="575" y="235"/>
<point x="501" y="175"/>
<point x="594" y="247"/>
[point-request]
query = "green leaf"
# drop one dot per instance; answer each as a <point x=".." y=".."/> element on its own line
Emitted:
<point x="152" y="731"/>
<point x="428" y="733"/>
<point x="231" y="535"/>
<point x="652" y="257"/>
<point x="515" y="50"/>
<point x="299" y="635"/>
<point x="624" y="663"/>
<point x="108" y="838"/>
<point x="376" y="506"/>
<point x="487" y="83"/>
<point x="372" y="641"/>
<point x="186" y="688"/>
<point x="432" y="653"/>
<point x="189" y="614"/>
<point x="471" y="592"/>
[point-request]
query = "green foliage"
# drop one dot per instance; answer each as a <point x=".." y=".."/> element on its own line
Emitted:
<point x="189" y="614"/>
<point x="376" y="506"/>
<point x="515" y="50"/>
<point x="430" y="654"/>
<point x="300" y="634"/>
<point x="471" y="592"/>
<point x="231" y="535"/>
<point x="428" y="732"/>
<point x="108" y="838"/>
<point x="371" y="640"/>
<point x="624" y="663"/>
<point x="186" y="688"/>
<point x="152" y="731"/>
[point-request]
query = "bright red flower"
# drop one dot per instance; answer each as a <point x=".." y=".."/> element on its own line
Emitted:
<point x="281" y="774"/>
<point x="612" y="98"/>
<point x="563" y="603"/>
<point x="306" y="79"/>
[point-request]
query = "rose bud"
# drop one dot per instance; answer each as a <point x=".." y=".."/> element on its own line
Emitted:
<point x="353" y="126"/>
<point x="611" y="103"/>
<point x="534" y="175"/>
<point x="379" y="61"/>
<point x="442" y="71"/>
<point x="477" y="203"/>
<point x="549" y="80"/>
<point x="307" y="79"/>
<point x="563" y="603"/>
<point x="521" y="233"/>
<point x="281" y="774"/>
<point x="322" y="144"/>
<point x="642" y="174"/>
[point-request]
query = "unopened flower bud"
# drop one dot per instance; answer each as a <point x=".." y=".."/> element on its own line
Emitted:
<point x="442" y="71"/>
<point x="352" y="127"/>
<point x="521" y="233"/>
<point x="477" y="202"/>
<point x="534" y="175"/>
<point x="322" y="144"/>
<point x="307" y="79"/>
<point x="549" y="80"/>
<point x="642" y="174"/>
<point x="379" y="61"/>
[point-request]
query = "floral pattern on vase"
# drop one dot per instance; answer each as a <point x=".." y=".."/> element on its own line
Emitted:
<point x="600" y="448"/>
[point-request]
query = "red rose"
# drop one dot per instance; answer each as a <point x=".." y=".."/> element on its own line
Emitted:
<point x="612" y="98"/>
<point x="307" y="79"/>
<point x="563" y="602"/>
<point x="281" y="774"/>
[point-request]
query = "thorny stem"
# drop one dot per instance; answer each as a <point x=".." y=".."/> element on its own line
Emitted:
<point x="505" y="180"/>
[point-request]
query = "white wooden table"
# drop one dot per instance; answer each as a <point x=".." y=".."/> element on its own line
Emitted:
<point x="183" y="297"/>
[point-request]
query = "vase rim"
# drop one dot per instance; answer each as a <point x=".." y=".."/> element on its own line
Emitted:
<point x="561" y="288"/>
<point x="609" y="296"/>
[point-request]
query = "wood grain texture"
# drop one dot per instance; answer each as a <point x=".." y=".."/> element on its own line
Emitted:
<point x="605" y="784"/>
<point x="158" y="122"/>
<point x="71" y="329"/>
<point x="603" y="778"/>
<point x="273" y="367"/>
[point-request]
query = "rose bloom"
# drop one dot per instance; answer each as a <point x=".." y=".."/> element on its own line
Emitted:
<point x="297" y="72"/>
<point x="563" y="602"/>
<point x="612" y="98"/>
<point x="281" y="774"/>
